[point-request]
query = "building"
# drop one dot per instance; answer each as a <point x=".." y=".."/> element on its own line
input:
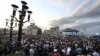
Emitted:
<point x="32" y="29"/>
<point x="53" y="31"/>
<point x="47" y="32"/>
<point x="5" y="33"/>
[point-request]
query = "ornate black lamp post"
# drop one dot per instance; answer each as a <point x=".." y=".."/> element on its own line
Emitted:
<point x="22" y="14"/>
<point x="11" y="21"/>
<point x="11" y="27"/>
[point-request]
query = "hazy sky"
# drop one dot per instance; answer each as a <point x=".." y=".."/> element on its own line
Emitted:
<point x="85" y="16"/>
<point x="43" y="10"/>
<point x="65" y="13"/>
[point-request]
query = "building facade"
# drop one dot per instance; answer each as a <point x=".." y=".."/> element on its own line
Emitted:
<point x="32" y="29"/>
<point x="53" y="31"/>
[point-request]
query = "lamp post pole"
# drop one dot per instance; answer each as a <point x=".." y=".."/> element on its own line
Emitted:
<point x="5" y="30"/>
<point x="20" y="32"/>
<point x="11" y="29"/>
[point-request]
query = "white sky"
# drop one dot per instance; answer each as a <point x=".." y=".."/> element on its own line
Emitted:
<point x="40" y="16"/>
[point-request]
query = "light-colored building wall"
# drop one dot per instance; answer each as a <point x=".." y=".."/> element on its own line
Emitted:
<point x="53" y="31"/>
<point x="32" y="29"/>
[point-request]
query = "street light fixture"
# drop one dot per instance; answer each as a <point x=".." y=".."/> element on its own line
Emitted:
<point x="23" y="3"/>
<point x="29" y="13"/>
<point x="15" y="7"/>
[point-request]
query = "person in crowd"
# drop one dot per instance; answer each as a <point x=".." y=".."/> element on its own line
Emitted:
<point x="31" y="52"/>
<point x="95" y="53"/>
<point x="56" y="53"/>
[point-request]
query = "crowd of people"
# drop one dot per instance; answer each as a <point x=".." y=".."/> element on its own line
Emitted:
<point x="53" y="46"/>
